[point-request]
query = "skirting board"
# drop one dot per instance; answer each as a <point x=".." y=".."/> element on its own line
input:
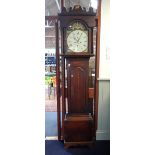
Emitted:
<point x="51" y="138"/>
<point x="103" y="79"/>
<point x="102" y="135"/>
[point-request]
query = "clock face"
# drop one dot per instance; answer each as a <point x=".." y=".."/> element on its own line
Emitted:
<point x="77" y="41"/>
<point x="77" y="38"/>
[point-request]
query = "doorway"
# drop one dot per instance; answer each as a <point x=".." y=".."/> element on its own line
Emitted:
<point x="50" y="78"/>
<point x="52" y="8"/>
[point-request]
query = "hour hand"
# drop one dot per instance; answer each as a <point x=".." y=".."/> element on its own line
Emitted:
<point x="75" y="39"/>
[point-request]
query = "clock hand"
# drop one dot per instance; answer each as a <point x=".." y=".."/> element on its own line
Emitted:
<point x="75" y="39"/>
<point x="79" y="38"/>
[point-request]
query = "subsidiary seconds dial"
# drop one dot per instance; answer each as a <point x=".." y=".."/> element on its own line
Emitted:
<point x="77" y="41"/>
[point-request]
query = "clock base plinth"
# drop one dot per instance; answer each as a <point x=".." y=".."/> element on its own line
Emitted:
<point x="78" y="130"/>
<point x="89" y="144"/>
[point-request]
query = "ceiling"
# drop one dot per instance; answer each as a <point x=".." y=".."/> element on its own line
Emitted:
<point x="52" y="7"/>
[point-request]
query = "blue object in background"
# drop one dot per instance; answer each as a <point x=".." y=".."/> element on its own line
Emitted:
<point x="50" y="60"/>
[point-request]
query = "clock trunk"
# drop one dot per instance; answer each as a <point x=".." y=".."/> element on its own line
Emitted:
<point x="77" y="84"/>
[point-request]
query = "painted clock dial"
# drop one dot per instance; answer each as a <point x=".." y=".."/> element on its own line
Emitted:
<point x="77" y="38"/>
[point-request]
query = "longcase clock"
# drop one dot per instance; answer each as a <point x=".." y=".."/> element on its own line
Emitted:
<point x="76" y="27"/>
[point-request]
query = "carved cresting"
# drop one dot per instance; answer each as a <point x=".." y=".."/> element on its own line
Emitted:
<point x="77" y="10"/>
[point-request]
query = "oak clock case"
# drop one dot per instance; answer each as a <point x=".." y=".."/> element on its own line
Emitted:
<point x="76" y="26"/>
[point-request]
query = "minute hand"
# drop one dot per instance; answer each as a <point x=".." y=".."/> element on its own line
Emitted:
<point x="79" y="38"/>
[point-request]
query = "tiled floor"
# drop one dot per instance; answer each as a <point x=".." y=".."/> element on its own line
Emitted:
<point x="50" y="103"/>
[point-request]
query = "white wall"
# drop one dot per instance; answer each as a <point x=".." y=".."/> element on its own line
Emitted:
<point x="103" y="129"/>
<point x="104" y="40"/>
